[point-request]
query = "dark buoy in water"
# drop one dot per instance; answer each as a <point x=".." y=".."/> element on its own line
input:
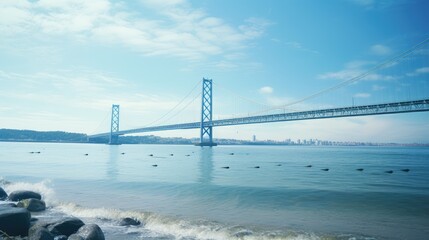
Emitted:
<point x="226" y="167"/>
<point x="187" y="155"/>
<point x="155" y="165"/>
<point x="231" y="154"/>
<point x="278" y="165"/>
<point x="150" y="155"/>
<point x="405" y="170"/>
<point x="31" y="152"/>
<point x="257" y="167"/>
<point x="122" y="153"/>
<point x="359" y="169"/>
<point x="37" y="152"/>
<point x="86" y="154"/>
<point x="309" y="166"/>
<point x="390" y="171"/>
<point x="171" y="154"/>
<point x="325" y="169"/>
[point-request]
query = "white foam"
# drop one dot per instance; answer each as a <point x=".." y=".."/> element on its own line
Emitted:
<point x="48" y="194"/>
<point x="176" y="228"/>
<point x="155" y="224"/>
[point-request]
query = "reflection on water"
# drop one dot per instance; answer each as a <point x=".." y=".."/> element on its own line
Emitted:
<point x="205" y="165"/>
<point x="112" y="164"/>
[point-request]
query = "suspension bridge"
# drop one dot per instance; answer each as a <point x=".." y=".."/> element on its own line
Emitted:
<point x="206" y="123"/>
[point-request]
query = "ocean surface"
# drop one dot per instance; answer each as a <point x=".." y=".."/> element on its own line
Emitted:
<point x="268" y="192"/>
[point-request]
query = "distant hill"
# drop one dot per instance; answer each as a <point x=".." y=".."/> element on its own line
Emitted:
<point x="37" y="136"/>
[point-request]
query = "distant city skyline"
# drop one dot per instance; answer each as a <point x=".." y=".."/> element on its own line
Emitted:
<point x="64" y="63"/>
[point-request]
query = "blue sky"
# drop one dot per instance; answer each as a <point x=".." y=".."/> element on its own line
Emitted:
<point x="63" y="63"/>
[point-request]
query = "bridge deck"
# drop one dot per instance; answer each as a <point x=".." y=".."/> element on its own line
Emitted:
<point x="376" y="109"/>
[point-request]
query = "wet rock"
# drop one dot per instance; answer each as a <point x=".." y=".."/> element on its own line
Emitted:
<point x="38" y="232"/>
<point x="32" y="205"/>
<point x="20" y="195"/>
<point x="129" y="222"/>
<point x="8" y="204"/>
<point x="14" y="221"/>
<point x="3" y="194"/>
<point x="66" y="226"/>
<point x="91" y="232"/>
<point x="75" y="237"/>
<point x="60" y="237"/>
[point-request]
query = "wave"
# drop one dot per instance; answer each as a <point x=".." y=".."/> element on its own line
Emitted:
<point x="154" y="225"/>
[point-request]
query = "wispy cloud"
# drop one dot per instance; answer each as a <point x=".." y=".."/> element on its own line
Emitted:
<point x="354" y="69"/>
<point x="266" y="90"/>
<point x="178" y="29"/>
<point x="64" y="93"/>
<point x="380" y="50"/>
<point x="362" y="95"/>
<point x="377" y="4"/>
<point x="418" y="72"/>
<point x="294" y="45"/>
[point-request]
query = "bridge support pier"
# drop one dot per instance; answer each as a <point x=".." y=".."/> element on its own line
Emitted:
<point x="206" y="133"/>
<point x="114" y="126"/>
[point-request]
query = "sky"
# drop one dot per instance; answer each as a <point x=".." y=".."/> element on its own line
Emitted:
<point x="64" y="63"/>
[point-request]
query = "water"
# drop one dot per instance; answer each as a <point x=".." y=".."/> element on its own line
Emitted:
<point x="190" y="195"/>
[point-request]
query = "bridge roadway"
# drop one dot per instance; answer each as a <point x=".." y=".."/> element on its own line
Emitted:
<point x="376" y="109"/>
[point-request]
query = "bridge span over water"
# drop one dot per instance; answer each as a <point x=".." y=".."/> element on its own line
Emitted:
<point x="206" y="124"/>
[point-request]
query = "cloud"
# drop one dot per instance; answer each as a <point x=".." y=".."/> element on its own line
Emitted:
<point x="418" y="71"/>
<point x="362" y="95"/>
<point x="87" y="93"/>
<point x="354" y="69"/>
<point x="378" y="4"/>
<point x="377" y="87"/>
<point x="294" y="45"/>
<point x="380" y="50"/>
<point x="173" y="28"/>
<point x="266" y="90"/>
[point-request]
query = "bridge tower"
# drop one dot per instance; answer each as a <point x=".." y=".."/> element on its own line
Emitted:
<point x="206" y="134"/>
<point x="114" y="125"/>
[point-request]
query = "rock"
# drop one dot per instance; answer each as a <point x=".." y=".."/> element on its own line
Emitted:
<point x="20" y="195"/>
<point x="75" y="237"/>
<point x="38" y="232"/>
<point x="66" y="226"/>
<point x="60" y="237"/>
<point x="32" y="205"/>
<point x="14" y="221"/>
<point x="8" y="204"/>
<point x="129" y="222"/>
<point x="91" y="232"/>
<point x="3" y="194"/>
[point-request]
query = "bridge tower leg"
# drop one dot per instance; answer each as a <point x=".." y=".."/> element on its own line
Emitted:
<point x="206" y="134"/>
<point x="114" y="125"/>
